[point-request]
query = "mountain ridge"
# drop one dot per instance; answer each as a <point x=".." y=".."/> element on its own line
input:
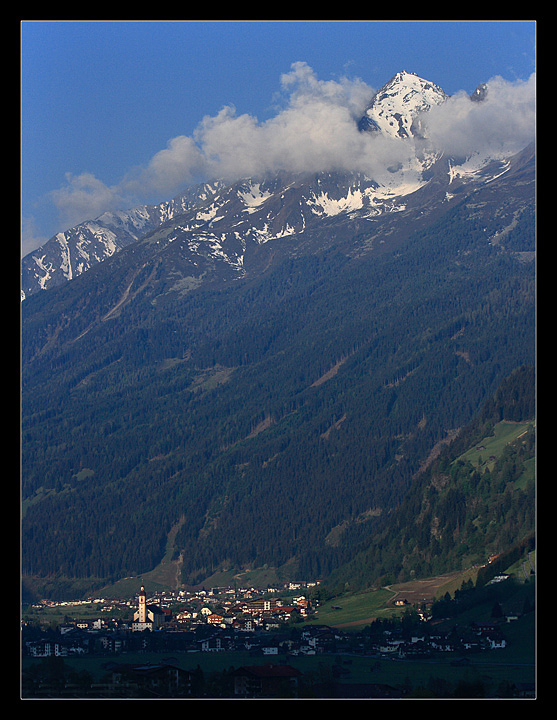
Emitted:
<point x="398" y="104"/>
<point x="191" y="373"/>
<point x="69" y="253"/>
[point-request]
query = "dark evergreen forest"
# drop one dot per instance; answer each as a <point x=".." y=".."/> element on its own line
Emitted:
<point x="215" y="407"/>
<point x="459" y="514"/>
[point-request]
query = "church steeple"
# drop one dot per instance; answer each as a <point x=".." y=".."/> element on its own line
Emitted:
<point x="142" y="611"/>
<point x="147" y="617"/>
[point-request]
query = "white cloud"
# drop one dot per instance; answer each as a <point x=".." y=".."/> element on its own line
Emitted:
<point x="314" y="128"/>
<point x="504" y="121"/>
<point x="84" y="197"/>
<point x="31" y="236"/>
<point x="180" y="162"/>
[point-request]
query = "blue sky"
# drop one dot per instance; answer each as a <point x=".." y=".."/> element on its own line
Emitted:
<point x="100" y="100"/>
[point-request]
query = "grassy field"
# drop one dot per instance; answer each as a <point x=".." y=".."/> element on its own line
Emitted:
<point x="492" y="446"/>
<point x="355" y="611"/>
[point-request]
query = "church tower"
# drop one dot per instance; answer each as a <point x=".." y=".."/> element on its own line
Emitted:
<point x="147" y="617"/>
<point x="142" y="611"/>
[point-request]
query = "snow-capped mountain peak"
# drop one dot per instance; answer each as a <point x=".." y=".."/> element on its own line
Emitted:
<point x="397" y="105"/>
<point x="220" y="223"/>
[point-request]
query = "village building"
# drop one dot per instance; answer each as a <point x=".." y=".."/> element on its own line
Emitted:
<point x="147" y="617"/>
<point x="266" y="681"/>
<point x="169" y="679"/>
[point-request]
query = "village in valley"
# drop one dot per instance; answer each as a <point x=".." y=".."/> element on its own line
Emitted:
<point x="224" y="619"/>
<point x="176" y="613"/>
<point x="275" y="629"/>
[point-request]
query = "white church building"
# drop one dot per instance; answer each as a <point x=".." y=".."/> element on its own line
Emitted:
<point x="147" y="617"/>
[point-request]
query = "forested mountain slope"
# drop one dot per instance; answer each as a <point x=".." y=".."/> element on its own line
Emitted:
<point x="474" y="501"/>
<point x="267" y="412"/>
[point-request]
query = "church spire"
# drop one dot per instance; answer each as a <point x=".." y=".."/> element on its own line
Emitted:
<point x="142" y="610"/>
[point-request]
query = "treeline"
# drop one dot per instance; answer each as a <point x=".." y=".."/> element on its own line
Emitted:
<point x="159" y="405"/>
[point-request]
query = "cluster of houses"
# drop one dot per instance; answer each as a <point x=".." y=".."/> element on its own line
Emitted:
<point x="243" y="611"/>
<point x="258" y="626"/>
<point x="250" y="614"/>
<point x="273" y="675"/>
<point x="224" y="619"/>
<point x="213" y="623"/>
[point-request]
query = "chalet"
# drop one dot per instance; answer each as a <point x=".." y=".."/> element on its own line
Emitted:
<point x="417" y="639"/>
<point x="213" y="644"/>
<point x="45" y="648"/>
<point x="391" y="646"/>
<point x="215" y="619"/>
<point x="89" y="625"/>
<point x="498" y="579"/>
<point x="270" y="650"/>
<point x="495" y="640"/>
<point x="245" y="625"/>
<point x="269" y="623"/>
<point x="112" y="643"/>
<point x="271" y="681"/>
<point x="258" y="606"/>
<point x="155" y="678"/>
<point x="76" y="645"/>
<point x="302" y="603"/>
<point x="284" y="612"/>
